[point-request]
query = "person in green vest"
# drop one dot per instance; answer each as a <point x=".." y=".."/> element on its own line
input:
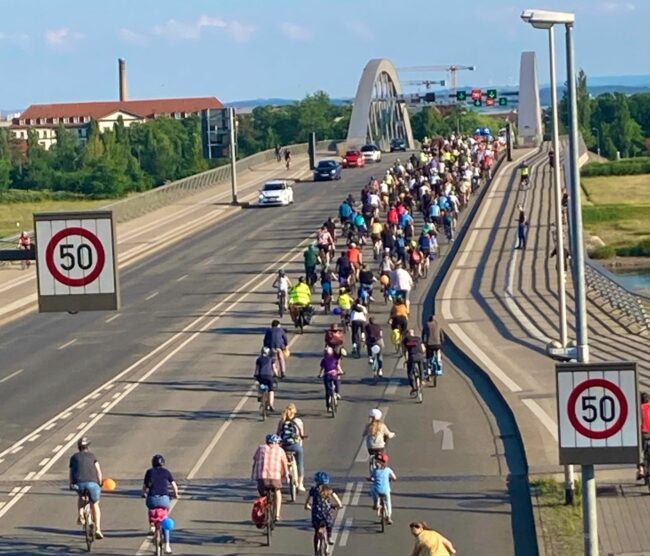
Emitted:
<point x="310" y="256"/>
<point x="299" y="300"/>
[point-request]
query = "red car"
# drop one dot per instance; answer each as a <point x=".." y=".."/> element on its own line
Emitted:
<point x="353" y="159"/>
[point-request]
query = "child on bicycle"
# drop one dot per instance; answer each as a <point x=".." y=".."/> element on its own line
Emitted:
<point x="330" y="371"/>
<point x="321" y="500"/>
<point x="381" y="477"/>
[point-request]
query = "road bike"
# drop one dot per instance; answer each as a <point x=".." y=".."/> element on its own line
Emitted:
<point x="87" y="523"/>
<point x="416" y="371"/>
<point x="263" y="396"/>
<point x="269" y="518"/>
<point x="282" y="302"/>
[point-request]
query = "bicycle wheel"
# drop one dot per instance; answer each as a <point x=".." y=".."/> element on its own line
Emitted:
<point x="333" y="403"/>
<point x="89" y="528"/>
<point x="264" y="405"/>
<point x="382" y="515"/>
<point x="418" y="382"/>
<point x="293" y="487"/>
<point x="270" y="516"/>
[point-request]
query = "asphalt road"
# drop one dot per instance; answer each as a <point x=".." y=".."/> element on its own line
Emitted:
<point x="182" y="350"/>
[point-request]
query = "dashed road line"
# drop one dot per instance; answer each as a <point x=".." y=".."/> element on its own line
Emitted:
<point x="346" y="532"/>
<point x="34" y="438"/>
<point x="66" y="415"/>
<point x="29" y="476"/>
<point x="67" y="344"/>
<point x="111" y="319"/>
<point x="357" y="494"/>
<point x="6" y="507"/>
<point x="43" y="462"/>
<point x="59" y="446"/>
<point x="8" y="377"/>
<point x="14" y="491"/>
<point x="182" y="278"/>
<point x="50" y="426"/>
<point x="151" y="296"/>
<point x="69" y="437"/>
<point x="16" y="450"/>
<point x="82" y="425"/>
<point x="391" y="389"/>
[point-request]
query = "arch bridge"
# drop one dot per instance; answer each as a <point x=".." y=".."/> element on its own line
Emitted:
<point x="379" y="113"/>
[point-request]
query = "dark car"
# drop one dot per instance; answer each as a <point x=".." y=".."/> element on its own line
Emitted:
<point x="398" y="145"/>
<point x="327" y="170"/>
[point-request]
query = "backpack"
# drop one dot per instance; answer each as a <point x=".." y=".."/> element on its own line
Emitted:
<point x="290" y="433"/>
<point x="345" y="210"/>
<point x="258" y="512"/>
<point x="333" y="338"/>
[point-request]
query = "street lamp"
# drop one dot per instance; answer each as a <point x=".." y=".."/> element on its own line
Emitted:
<point x="597" y="139"/>
<point x="533" y="17"/>
<point x="543" y="19"/>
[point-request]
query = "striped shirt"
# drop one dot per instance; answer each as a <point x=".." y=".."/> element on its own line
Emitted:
<point x="270" y="462"/>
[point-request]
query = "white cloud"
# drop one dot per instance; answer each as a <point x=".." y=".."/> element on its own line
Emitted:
<point x="611" y="6"/>
<point x="295" y="32"/>
<point x="241" y="32"/>
<point x="17" y="39"/>
<point x="62" y="37"/>
<point x="132" y="37"/>
<point x="360" y="30"/>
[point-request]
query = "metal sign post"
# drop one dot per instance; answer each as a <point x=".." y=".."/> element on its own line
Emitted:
<point x="76" y="266"/>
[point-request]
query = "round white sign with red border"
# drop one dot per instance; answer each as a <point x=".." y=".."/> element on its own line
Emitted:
<point x="75" y="256"/>
<point x="597" y="408"/>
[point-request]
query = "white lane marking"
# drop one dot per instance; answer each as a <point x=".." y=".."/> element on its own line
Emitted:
<point x="446" y="298"/>
<point x="95" y="396"/>
<point x="1" y="460"/>
<point x="357" y="494"/>
<point x="182" y="278"/>
<point x="1" y="504"/>
<point x="82" y="425"/>
<point x="59" y="446"/>
<point x="81" y="405"/>
<point x="487" y="363"/>
<point x="468" y="247"/>
<point x="391" y="389"/>
<point x="43" y="462"/>
<point x="222" y="429"/>
<point x="346" y="532"/>
<point x="151" y="296"/>
<point x="34" y="438"/>
<point x="66" y="415"/>
<point x="29" y="476"/>
<point x="14" y="491"/>
<point x="548" y="422"/>
<point x="14" y="500"/>
<point x="8" y="377"/>
<point x="242" y="293"/>
<point x="49" y="426"/>
<point x="447" y="433"/>
<point x="92" y="415"/>
<point x="341" y="513"/>
<point x="70" y="436"/>
<point x="116" y="394"/>
<point x="105" y="405"/>
<point x="111" y="319"/>
<point x="67" y="344"/>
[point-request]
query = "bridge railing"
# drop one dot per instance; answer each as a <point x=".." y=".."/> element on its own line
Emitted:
<point x="143" y="203"/>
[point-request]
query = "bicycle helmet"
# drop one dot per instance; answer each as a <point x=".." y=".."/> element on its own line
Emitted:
<point x="376" y="414"/>
<point x="321" y="478"/>
<point x="83" y="442"/>
<point x="272" y="439"/>
<point x="281" y="272"/>
<point x="157" y="461"/>
<point x="383" y="457"/>
<point x="266" y="351"/>
<point x="375" y="350"/>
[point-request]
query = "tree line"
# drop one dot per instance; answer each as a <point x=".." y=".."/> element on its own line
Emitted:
<point x="613" y="122"/>
<point x="111" y="163"/>
<point x="432" y="122"/>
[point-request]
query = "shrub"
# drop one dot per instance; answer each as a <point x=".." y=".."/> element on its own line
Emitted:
<point x="39" y="195"/>
<point x="603" y="252"/>
<point x="625" y="166"/>
<point x="640" y="249"/>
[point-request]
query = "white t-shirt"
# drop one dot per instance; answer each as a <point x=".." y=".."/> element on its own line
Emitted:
<point x="402" y="280"/>
<point x="282" y="284"/>
<point x="373" y="200"/>
<point x="358" y="316"/>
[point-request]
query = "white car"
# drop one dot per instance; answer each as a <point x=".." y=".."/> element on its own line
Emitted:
<point x="371" y="153"/>
<point x="276" y="192"/>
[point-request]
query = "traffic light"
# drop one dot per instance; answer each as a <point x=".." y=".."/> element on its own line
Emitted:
<point x="430" y="97"/>
<point x="461" y="95"/>
<point x="492" y="93"/>
<point x="503" y="101"/>
<point x="490" y="102"/>
<point x="478" y="103"/>
<point x="476" y="93"/>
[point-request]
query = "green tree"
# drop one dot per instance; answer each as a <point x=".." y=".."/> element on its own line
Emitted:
<point x="640" y="110"/>
<point x="584" y="102"/>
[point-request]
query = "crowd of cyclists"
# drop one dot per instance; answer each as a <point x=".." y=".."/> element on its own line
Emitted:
<point x="372" y="254"/>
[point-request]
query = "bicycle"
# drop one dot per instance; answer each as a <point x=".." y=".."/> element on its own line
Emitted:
<point x="383" y="513"/>
<point x="87" y="523"/>
<point x="264" y="400"/>
<point x="156" y="517"/>
<point x="332" y="403"/>
<point x="417" y="375"/>
<point x="293" y="475"/>
<point x="375" y="352"/>
<point x="434" y="369"/>
<point x="282" y="302"/>
<point x="396" y="337"/>
<point x="322" y="547"/>
<point x="377" y="248"/>
<point x="269" y="520"/>
<point x="646" y="464"/>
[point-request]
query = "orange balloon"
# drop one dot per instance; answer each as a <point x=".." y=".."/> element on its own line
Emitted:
<point x="109" y="485"/>
<point x="384" y="280"/>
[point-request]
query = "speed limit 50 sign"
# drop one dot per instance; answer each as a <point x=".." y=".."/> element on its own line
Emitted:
<point x="597" y="413"/>
<point x="75" y="253"/>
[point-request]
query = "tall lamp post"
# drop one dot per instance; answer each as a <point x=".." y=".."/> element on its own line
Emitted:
<point x="597" y="139"/>
<point x="546" y="20"/>
<point x="569" y="490"/>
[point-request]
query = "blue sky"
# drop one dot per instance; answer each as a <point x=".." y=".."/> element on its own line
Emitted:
<point x="66" y="50"/>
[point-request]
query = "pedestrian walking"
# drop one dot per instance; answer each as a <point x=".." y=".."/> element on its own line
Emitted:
<point x="522" y="229"/>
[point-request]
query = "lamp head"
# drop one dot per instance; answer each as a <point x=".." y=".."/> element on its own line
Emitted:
<point x="545" y="19"/>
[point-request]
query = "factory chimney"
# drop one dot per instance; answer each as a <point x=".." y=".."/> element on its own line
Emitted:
<point x="122" y="77"/>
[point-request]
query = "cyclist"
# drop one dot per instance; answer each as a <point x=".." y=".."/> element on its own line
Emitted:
<point x="275" y="338"/>
<point x="299" y="300"/>
<point x="310" y="256"/>
<point x="366" y="279"/>
<point x="414" y="350"/>
<point x="376" y="433"/>
<point x="287" y="158"/>
<point x="330" y="372"/>
<point x="345" y="302"/>
<point x="326" y="277"/>
<point x="291" y="430"/>
<point x="278" y="154"/>
<point x="399" y="316"/>
<point x="282" y="284"/>
<point x="355" y="257"/>
<point x="155" y="489"/>
<point x="415" y="260"/>
<point x="325" y="244"/>
<point x="645" y="432"/>
<point x="524" y="172"/>
<point x="344" y="269"/>
<point x="86" y="476"/>
<point x="429" y="542"/>
<point x="381" y="477"/>
<point x="25" y="244"/>
<point x="358" y="317"/>
<point x="375" y="337"/>
<point x="433" y="337"/>
<point x="266" y="373"/>
<point x="270" y="466"/>
<point x="319" y="501"/>
<point x="346" y="211"/>
<point x="334" y="338"/>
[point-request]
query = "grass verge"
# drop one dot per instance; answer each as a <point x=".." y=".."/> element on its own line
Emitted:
<point x="561" y="525"/>
<point x="15" y="217"/>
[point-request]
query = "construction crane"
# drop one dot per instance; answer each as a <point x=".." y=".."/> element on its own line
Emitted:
<point x="426" y="82"/>
<point x="452" y="69"/>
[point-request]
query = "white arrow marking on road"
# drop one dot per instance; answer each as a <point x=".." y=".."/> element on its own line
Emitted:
<point x="447" y="433"/>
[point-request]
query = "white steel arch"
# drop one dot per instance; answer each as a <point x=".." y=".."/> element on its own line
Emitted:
<point x="378" y="113"/>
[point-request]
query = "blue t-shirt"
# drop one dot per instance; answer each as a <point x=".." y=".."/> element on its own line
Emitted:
<point x="157" y="480"/>
<point x="381" y="480"/>
<point x="275" y="338"/>
<point x="434" y="211"/>
<point x="265" y="366"/>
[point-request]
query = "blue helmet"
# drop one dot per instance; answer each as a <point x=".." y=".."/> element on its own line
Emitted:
<point x="322" y="478"/>
<point x="272" y="439"/>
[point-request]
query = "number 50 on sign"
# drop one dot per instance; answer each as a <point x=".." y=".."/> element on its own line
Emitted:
<point x="597" y="413"/>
